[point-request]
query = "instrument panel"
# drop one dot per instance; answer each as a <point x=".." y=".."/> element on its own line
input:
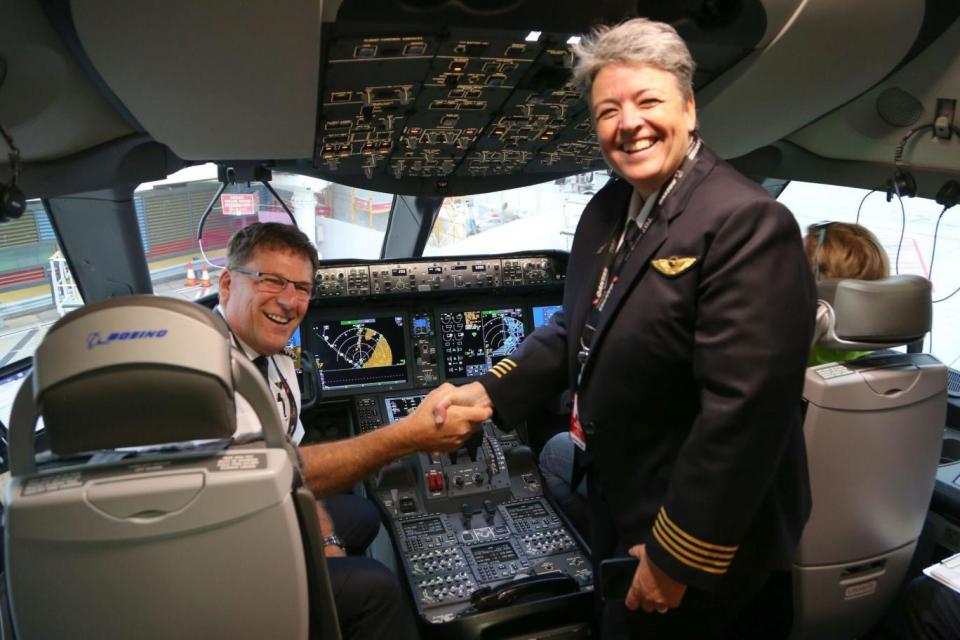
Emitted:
<point x="441" y="275"/>
<point x="476" y="521"/>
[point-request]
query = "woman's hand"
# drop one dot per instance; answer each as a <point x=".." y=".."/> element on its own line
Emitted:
<point x="652" y="589"/>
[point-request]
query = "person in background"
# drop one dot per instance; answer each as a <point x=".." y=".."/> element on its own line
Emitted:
<point x="927" y="610"/>
<point x="842" y="250"/>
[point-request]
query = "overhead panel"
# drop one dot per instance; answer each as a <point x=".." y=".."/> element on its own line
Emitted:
<point x="466" y="96"/>
<point x="474" y="104"/>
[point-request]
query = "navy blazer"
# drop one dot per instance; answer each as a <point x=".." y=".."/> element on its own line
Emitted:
<point x="691" y="399"/>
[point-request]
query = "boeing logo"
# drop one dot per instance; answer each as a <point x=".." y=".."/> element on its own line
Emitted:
<point x="95" y="339"/>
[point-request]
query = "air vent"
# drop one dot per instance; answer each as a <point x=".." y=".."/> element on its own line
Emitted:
<point x="898" y="108"/>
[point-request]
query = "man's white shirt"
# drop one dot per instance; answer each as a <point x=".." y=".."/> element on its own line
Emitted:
<point x="280" y="372"/>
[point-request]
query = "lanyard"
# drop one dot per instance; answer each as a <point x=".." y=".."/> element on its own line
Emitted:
<point x="291" y="414"/>
<point x="618" y="254"/>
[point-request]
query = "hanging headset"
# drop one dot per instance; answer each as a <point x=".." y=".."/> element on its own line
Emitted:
<point x="12" y="201"/>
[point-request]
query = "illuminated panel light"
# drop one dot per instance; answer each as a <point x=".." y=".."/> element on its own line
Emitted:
<point x="573" y="40"/>
<point x="533" y="36"/>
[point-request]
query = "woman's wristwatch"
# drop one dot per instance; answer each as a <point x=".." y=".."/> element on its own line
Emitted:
<point x="333" y="540"/>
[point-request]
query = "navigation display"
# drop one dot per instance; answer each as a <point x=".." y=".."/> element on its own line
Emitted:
<point x="542" y="315"/>
<point x="360" y="353"/>
<point x="474" y="341"/>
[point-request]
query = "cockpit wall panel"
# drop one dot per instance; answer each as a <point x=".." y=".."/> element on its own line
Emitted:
<point x="211" y="80"/>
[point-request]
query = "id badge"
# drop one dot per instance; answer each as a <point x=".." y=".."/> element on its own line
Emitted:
<point x="576" y="431"/>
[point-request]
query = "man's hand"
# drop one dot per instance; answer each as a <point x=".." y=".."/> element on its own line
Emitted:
<point x="333" y="551"/>
<point x="458" y="423"/>
<point x="469" y="395"/>
<point x="652" y="589"/>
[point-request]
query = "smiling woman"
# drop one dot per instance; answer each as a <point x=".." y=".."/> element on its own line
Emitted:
<point x="644" y="123"/>
<point x="678" y="317"/>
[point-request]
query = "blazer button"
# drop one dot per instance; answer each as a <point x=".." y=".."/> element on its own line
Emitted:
<point x="589" y="428"/>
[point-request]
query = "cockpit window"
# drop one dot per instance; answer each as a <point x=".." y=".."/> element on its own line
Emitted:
<point x="538" y="217"/>
<point x="35" y="289"/>
<point x="343" y="222"/>
<point x="812" y="203"/>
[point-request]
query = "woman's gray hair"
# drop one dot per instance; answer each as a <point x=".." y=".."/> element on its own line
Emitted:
<point x="636" y="41"/>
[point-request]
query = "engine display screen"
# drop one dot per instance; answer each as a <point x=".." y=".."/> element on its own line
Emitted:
<point x="360" y="352"/>
<point x="425" y="527"/>
<point x="475" y="341"/>
<point x="494" y="553"/>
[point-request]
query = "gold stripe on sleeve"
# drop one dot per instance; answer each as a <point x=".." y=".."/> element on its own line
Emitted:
<point x="693" y="549"/>
<point x="681" y="557"/>
<point x="693" y="555"/>
<point x="676" y="531"/>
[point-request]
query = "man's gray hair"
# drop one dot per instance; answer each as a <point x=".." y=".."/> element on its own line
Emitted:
<point x="636" y="41"/>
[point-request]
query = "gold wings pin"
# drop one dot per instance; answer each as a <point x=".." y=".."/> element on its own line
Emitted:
<point x="673" y="266"/>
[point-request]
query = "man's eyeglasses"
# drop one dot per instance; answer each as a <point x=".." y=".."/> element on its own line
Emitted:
<point x="273" y="283"/>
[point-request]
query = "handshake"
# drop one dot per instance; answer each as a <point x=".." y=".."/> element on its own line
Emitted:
<point x="448" y="417"/>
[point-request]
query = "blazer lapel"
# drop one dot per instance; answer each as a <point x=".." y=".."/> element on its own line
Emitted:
<point x="639" y="261"/>
<point x="609" y="213"/>
<point x="636" y="265"/>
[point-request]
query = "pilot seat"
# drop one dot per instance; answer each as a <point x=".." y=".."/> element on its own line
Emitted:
<point x="873" y="428"/>
<point x="116" y="533"/>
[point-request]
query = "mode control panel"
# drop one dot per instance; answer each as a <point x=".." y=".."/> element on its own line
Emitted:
<point x="342" y="281"/>
<point x="528" y="270"/>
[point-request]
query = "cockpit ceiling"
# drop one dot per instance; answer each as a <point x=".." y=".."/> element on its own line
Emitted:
<point x="449" y="106"/>
<point x="464" y="106"/>
<point x="425" y="97"/>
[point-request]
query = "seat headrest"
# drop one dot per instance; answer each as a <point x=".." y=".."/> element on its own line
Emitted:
<point x="873" y="314"/>
<point x="134" y="371"/>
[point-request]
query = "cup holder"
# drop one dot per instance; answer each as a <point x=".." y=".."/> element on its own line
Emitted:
<point x="950" y="452"/>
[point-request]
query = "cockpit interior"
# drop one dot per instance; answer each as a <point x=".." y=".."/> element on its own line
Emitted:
<point x="439" y="156"/>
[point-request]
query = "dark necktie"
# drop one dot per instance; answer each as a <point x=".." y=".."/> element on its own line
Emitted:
<point x="261" y="363"/>
<point x="631" y="236"/>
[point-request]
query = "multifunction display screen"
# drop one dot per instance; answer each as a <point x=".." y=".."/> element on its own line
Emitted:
<point x="494" y="553"/>
<point x="360" y="353"/>
<point x="527" y="510"/>
<point x="425" y="527"/>
<point x="401" y="407"/>
<point x="542" y="315"/>
<point x="474" y="341"/>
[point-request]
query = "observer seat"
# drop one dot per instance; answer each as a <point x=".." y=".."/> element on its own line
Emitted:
<point x="180" y="541"/>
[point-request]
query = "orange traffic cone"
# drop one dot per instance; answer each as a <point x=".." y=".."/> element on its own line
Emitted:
<point x="204" y="277"/>
<point x="191" y="275"/>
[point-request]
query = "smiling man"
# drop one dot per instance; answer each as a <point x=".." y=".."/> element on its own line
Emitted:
<point x="264" y="295"/>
